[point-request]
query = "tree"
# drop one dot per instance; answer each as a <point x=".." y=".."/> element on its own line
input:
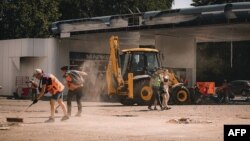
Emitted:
<point x="211" y="2"/>
<point x="32" y="18"/>
<point x="27" y="18"/>
<point x="91" y="8"/>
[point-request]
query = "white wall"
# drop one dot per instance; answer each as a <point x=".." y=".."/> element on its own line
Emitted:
<point x="178" y="52"/>
<point x="19" y="57"/>
<point x="94" y="43"/>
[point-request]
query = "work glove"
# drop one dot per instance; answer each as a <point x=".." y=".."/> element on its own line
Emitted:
<point x="35" y="101"/>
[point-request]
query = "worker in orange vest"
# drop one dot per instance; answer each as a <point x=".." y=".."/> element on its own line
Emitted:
<point x="49" y="83"/>
<point x="75" y="83"/>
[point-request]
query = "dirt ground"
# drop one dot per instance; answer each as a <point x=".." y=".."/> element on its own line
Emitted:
<point x="114" y="122"/>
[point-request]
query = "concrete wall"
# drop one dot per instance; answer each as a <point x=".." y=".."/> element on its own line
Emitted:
<point x="19" y="57"/>
<point x="94" y="43"/>
<point x="177" y="52"/>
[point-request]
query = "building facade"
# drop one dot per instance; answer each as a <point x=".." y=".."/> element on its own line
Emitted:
<point x="85" y="42"/>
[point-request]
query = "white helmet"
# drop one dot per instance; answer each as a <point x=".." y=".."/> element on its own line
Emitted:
<point x="166" y="78"/>
<point x="37" y="71"/>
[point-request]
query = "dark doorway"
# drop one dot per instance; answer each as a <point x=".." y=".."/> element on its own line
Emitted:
<point x="223" y="60"/>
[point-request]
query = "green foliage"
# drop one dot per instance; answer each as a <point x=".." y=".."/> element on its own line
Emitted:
<point x="90" y="8"/>
<point x="27" y="18"/>
<point x="32" y="18"/>
<point x="211" y="2"/>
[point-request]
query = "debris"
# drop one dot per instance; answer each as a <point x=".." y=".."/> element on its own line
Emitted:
<point x="125" y="115"/>
<point x="173" y="121"/>
<point x="4" y="126"/>
<point x="186" y="121"/>
<point x="243" y="116"/>
<point x="180" y="121"/>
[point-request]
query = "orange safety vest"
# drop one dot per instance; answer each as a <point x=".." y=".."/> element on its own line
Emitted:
<point x="71" y="86"/>
<point x="56" y="85"/>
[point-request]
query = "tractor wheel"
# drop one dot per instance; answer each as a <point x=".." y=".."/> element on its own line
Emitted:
<point x="181" y="95"/>
<point x="142" y="92"/>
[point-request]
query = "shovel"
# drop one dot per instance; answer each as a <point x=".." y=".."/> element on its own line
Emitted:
<point x="17" y="119"/>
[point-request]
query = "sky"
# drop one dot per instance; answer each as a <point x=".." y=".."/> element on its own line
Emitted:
<point x="181" y="4"/>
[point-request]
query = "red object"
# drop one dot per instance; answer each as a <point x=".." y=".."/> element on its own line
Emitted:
<point x="25" y="92"/>
<point x="206" y="87"/>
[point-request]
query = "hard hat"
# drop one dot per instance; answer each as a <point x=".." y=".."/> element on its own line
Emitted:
<point x="37" y="71"/>
<point x="166" y="78"/>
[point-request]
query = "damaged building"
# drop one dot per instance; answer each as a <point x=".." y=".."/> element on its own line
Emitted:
<point x="183" y="36"/>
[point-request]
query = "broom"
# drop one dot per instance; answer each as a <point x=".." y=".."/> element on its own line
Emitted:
<point x="18" y="119"/>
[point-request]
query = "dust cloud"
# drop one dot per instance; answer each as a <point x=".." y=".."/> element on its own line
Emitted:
<point x="95" y="83"/>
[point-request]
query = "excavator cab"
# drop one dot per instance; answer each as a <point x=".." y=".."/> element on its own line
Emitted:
<point x="137" y="65"/>
<point x="139" y="61"/>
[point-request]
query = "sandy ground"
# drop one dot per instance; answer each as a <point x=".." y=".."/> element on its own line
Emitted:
<point x="113" y="122"/>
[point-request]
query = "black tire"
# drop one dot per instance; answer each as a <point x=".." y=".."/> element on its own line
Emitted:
<point x="142" y="92"/>
<point x="194" y="96"/>
<point x="181" y="95"/>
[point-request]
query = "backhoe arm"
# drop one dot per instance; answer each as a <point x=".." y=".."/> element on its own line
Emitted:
<point x="113" y="73"/>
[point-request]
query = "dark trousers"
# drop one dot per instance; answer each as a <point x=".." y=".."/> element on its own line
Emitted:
<point x="33" y="94"/>
<point x="156" y="96"/>
<point x="78" y="93"/>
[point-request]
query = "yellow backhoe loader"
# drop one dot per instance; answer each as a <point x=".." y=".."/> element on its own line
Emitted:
<point x="129" y="71"/>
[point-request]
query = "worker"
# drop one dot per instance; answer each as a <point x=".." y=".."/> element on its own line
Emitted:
<point x="49" y="83"/>
<point x="74" y="82"/>
<point x="165" y="90"/>
<point x="184" y="80"/>
<point x="224" y="92"/>
<point x="33" y="87"/>
<point x="155" y="82"/>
